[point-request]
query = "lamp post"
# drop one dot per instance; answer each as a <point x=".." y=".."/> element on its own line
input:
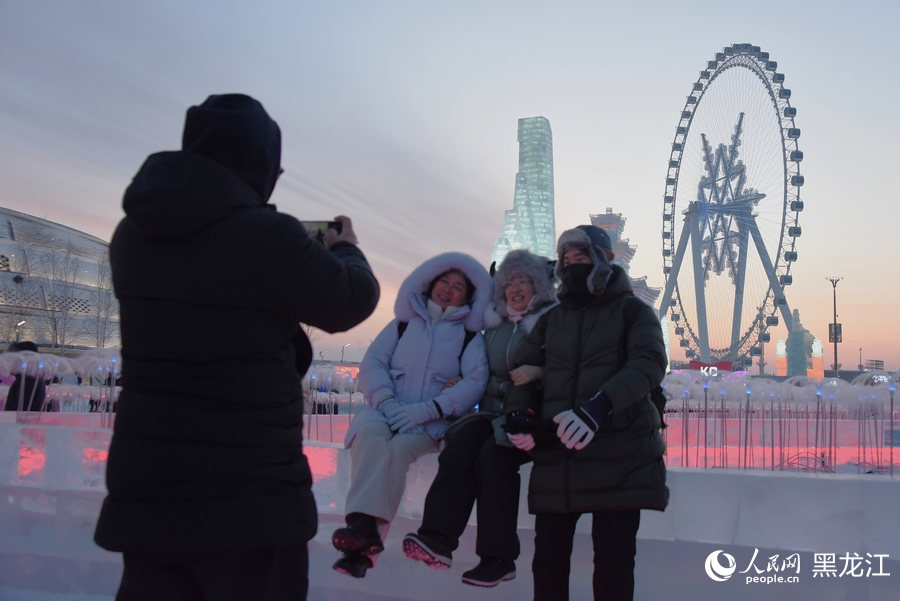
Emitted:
<point x="834" y="330"/>
<point x="348" y="344"/>
<point x="860" y="358"/>
<point x="322" y="354"/>
<point x="19" y="325"/>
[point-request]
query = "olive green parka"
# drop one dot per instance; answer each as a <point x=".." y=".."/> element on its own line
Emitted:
<point x="585" y="350"/>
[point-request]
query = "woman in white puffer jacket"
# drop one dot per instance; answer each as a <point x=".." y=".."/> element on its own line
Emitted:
<point x="427" y="367"/>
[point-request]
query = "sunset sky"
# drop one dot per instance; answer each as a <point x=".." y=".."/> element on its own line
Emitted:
<point x="403" y="116"/>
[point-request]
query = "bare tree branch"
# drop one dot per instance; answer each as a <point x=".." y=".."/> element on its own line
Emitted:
<point x="61" y="271"/>
<point x="102" y="325"/>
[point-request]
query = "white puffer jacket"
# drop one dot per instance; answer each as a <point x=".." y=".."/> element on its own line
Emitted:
<point x="415" y="367"/>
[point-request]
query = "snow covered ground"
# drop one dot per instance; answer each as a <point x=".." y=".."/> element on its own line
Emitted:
<point x="670" y="570"/>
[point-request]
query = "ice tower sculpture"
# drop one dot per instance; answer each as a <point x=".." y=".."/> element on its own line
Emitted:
<point x="799" y="348"/>
<point x="781" y="358"/>
<point x="614" y="225"/>
<point x="817" y="367"/>
<point x="531" y="224"/>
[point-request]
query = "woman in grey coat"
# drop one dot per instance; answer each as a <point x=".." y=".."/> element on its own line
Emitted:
<point x="479" y="463"/>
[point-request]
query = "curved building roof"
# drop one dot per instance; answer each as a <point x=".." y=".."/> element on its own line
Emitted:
<point x="55" y="284"/>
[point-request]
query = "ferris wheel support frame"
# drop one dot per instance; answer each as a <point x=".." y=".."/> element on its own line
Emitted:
<point x="747" y="225"/>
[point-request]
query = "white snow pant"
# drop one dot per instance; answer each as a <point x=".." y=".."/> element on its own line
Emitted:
<point x="379" y="460"/>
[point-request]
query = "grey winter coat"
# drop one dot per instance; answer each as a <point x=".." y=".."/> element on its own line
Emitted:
<point x="502" y="339"/>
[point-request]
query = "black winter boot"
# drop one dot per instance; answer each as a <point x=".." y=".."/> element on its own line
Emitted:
<point x="491" y="571"/>
<point x="359" y="536"/>
<point x="353" y="564"/>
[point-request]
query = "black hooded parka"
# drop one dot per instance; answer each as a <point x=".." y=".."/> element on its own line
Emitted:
<point x="212" y="286"/>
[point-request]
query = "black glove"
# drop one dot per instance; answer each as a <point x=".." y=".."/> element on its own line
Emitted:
<point x="595" y="413"/>
<point x="523" y="421"/>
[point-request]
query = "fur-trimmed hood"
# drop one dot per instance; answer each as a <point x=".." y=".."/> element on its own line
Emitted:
<point x="416" y="284"/>
<point x="535" y="268"/>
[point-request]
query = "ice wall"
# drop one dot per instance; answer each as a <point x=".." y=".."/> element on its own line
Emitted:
<point x="51" y="482"/>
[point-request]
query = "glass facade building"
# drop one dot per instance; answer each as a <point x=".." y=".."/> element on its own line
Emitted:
<point x="55" y="285"/>
<point x="531" y="223"/>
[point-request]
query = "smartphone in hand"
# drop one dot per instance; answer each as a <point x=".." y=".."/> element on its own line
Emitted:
<point x="317" y="229"/>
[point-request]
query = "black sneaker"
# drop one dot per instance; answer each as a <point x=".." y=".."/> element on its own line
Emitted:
<point x="359" y="536"/>
<point x="353" y="564"/>
<point x="490" y="572"/>
<point x="424" y="548"/>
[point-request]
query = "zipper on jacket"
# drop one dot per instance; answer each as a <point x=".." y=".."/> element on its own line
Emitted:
<point x="571" y="452"/>
<point x="578" y="345"/>
<point x="509" y="345"/>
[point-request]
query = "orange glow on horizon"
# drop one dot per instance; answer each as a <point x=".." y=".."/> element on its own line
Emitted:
<point x="347" y="370"/>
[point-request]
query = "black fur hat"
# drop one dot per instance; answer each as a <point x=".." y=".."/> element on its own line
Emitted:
<point x="595" y="241"/>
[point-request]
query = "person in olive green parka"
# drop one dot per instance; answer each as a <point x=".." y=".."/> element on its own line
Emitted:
<point x="594" y="431"/>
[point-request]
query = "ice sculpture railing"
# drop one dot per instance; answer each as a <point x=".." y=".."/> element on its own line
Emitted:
<point x="725" y="421"/>
<point x="96" y="365"/>
<point x="729" y="420"/>
<point x="331" y="397"/>
<point x="800" y="424"/>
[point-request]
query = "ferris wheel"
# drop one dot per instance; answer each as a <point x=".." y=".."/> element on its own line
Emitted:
<point x="733" y="192"/>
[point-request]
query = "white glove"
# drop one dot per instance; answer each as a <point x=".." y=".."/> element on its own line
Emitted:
<point x="389" y="407"/>
<point x="573" y="431"/>
<point x="523" y="442"/>
<point x="410" y="416"/>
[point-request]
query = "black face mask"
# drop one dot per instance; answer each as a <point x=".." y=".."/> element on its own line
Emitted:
<point x="576" y="277"/>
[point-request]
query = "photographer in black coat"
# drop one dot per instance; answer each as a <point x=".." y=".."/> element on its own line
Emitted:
<point x="209" y="491"/>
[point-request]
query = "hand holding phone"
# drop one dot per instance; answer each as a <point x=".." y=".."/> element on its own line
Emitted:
<point x="331" y="232"/>
<point x="318" y="230"/>
<point x="343" y="233"/>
